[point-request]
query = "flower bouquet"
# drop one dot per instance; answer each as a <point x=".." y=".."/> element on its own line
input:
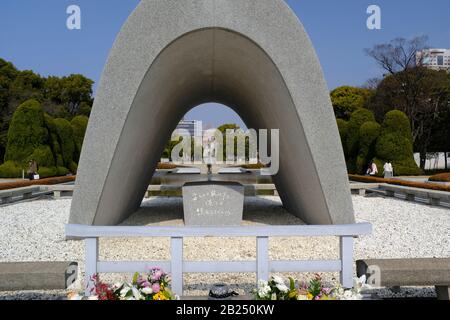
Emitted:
<point x="151" y="286"/>
<point x="276" y="289"/>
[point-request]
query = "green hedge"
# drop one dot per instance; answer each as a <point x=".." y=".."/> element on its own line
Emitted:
<point x="10" y="169"/>
<point x="348" y="99"/>
<point x="396" y="121"/>
<point x="45" y="172"/>
<point x="43" y="156"/>
<point x="368" y="135"/>
<point x="343" y="129"/>
<point x="27" y="132"/>
<point x="55" y="144"/>
<point x="62" y="171"/>
<point x="66" y="141"/>
<point x="357" y="119"/>
<point x="395" y="145"/>
<point x="79" y="125"/>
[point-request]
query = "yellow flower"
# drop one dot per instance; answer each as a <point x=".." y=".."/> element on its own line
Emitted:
<point x="159" y="296"/>
<point x="325" y="297"/>
<point x="310" y="296"/>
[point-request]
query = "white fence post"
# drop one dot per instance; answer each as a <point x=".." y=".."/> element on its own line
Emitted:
<point x="91" y="252"/>
<point x="262" y="257"/>
<point x="177" y="265"/>
<point x="346" y="247"/>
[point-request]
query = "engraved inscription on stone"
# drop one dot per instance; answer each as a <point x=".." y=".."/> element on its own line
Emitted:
<point x="213" y="203"/>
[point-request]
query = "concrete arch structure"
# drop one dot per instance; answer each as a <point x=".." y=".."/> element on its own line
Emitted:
<point x="251" y="55"/>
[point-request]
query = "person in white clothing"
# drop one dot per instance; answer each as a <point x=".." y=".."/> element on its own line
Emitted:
<point x="388" y="170"/>
<point x="374" y="170"/>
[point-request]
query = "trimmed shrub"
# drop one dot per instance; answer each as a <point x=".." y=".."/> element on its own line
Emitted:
<point x="396" y="121"/>
<point x="66" y="141"/>
<point x="357" y="119"/>
<point x="27" y="132"/>
<point x="79" y="125"/>
<point x="43" y="156"/>
<point x="73" y="167"/>
<point x="395" y="145"/>
<point x="406" y="167"/>
<point x="45" y="172"/>
<point x="53" y="140"/>
<point x="348" y="99"/>
<point x="10" y="169"/>
<point x="368" y="135"/>
<point x="343" y="129"/>
<point x="62" y="171"/>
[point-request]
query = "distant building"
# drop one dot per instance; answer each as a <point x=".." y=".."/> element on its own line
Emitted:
<point x="436" y="59"/>
<point x="194" y="127"/>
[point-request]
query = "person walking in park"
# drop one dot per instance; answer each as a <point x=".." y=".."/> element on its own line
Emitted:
<point x="372" y="169"/>
<point x="388" y="170"/>
<point x="32" y="169"/>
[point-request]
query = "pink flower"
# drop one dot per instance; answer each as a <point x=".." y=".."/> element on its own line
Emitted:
<point x="155" y="287"/>
<point x="156" y="276"/>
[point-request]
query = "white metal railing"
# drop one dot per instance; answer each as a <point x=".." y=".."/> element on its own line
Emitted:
<point x="177" y="266"/>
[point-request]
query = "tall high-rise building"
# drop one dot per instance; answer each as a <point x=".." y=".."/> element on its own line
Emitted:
<point x="194" y="127"/>
<point x="436" y="59"/>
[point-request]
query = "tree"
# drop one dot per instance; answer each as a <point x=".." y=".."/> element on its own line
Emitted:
<point x="346" y="100"/>
<point x="399" y="54"/>
<point x="64" y="97"/>
<point x="395" y="144"/>
<point x="27" y="132"/>
<point x="75" y="90"/>
<point x="423" y="95"/>
<point x="357" y="119"/>
<point x="79" y="126"/>
<point x="343" y="130"/>
<point x="72" y="92"/>
<point x="67" y="143"/>
<point x="368" y="135"/>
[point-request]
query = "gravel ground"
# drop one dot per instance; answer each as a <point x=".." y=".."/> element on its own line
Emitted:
<point x="34" y="231"/>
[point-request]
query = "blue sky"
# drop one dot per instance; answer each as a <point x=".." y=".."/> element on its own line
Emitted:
<point x="33" y="35"/>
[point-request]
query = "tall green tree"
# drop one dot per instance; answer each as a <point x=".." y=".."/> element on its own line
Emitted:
<point x="422" y="94"/>
<point x="346" y="100"/>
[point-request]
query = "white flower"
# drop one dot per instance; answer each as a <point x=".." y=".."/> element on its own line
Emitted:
<point x="278" y="280"/>
<point x="274" y="296"/>
<point x="262" y="283"/>
<point x="137" y="295"/>
<point x="147" y="290"/>
<point x="124" y="291"/>
<point x="282" y="287"/>
<point x="93" y="298"/>
<point x="302" y="297"/>
<point x="264" y="291"/>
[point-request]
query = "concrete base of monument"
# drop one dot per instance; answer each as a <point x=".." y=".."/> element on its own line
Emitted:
<point x="213" y="203"/>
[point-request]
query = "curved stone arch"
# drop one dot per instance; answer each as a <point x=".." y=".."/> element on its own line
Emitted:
<point x="253" y="56"/>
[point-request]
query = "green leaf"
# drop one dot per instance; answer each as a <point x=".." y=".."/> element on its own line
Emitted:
<point x="292" y="283"/>
<point x="135" y="278"/>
